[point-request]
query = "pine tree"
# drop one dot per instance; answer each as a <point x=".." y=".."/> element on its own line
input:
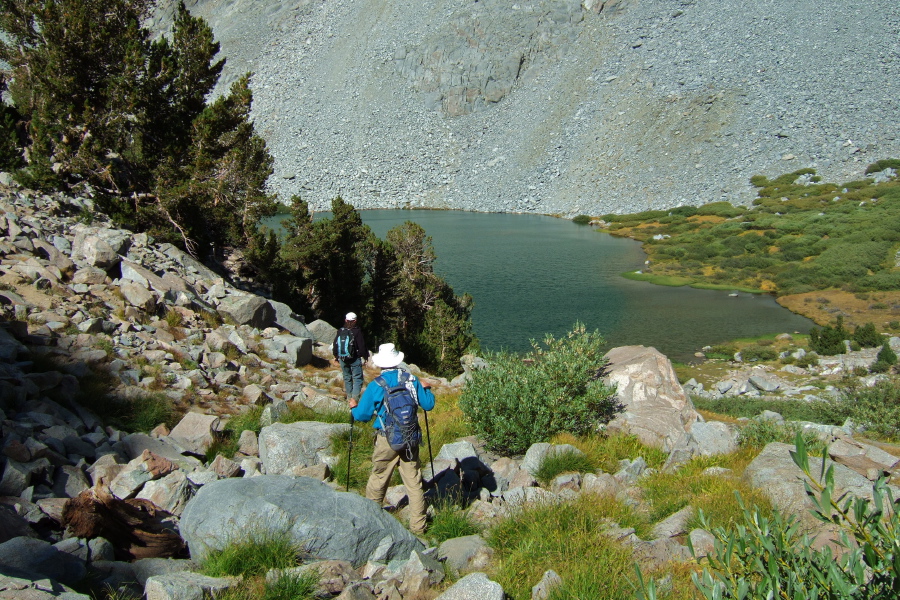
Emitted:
<point x="105" y="107"/>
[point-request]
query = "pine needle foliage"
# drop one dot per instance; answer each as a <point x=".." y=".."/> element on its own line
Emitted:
<point x="100" y="107"/>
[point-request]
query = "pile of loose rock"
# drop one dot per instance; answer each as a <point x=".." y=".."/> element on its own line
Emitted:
<point x="80" y="499"/>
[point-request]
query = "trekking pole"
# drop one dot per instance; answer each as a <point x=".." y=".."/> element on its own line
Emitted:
<point x="349" y="451"/>
<point x="428" y="435"/>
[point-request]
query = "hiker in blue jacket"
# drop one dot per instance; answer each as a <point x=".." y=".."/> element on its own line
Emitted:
<point x="384" y="458"/>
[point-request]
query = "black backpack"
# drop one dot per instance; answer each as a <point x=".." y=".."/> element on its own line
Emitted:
<point x="346" y="345"/>
<point x="401" y="423"/>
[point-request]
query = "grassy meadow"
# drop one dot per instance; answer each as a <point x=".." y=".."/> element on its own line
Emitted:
<point x="801" y="236"/>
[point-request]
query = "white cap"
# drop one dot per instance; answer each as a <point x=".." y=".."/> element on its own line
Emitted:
<point x="351" y="316"/>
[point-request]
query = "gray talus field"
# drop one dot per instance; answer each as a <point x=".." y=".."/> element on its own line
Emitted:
<point x="552" y="107"/>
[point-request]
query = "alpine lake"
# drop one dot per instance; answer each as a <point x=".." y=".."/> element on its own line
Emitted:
<point x="532" y="275"/>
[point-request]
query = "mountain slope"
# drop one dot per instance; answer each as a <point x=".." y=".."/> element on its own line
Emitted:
<point x="549" y="107"/>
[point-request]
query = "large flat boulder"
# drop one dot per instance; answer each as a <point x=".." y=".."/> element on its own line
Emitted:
<point x="327" y="524"/>
<point x="774" y="473"/>
<point x="657" y="410"/>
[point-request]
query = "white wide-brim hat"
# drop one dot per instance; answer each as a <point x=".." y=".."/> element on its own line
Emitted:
<point x="388" y="356"/>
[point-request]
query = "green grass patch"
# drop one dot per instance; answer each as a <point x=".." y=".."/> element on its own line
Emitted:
<point x="557" y="463"/>
<point x="569" y="539"/>
<point x="292" y="586"/>
<point x="140" y="412"/>
<point x="252" y="554"/>
<point x="758" y="433"/>
<point x="605" y="451"/>
<point x="360" y="464"/>
<point x="297" y="412"/>
<point x="450" y="521"/>
<point x="667" y="493"/>
<point x="791" y="410"/>
<point x="668" y="280"/>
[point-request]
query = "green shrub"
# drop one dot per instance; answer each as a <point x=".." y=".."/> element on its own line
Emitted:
<point x="881" y="165"/>
<point x="557" y="463"/>
<point x="557" y="387"/>
<point x="810" y="359"/>
<point x="757" y="352"/>
<point x="829" y="341"/>
<point x="875" y="408"/>
<point x="722" y="352"/>
<point x="581" y="220"/>
<point x="867" y="336"/>
<point x="766" y="557"/>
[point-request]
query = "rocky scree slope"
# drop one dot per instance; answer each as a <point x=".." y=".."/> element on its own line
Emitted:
<point x="561" y="106"/>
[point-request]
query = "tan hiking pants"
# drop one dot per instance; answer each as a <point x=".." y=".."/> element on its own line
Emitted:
<point x="384" y="460"/>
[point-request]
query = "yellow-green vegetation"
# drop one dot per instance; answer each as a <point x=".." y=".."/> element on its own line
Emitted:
<point x="450" y="521"/>
<point x="765" y="556"/>
<point x="569" y="539"/>
<point x="361" y="460"/>
<point x="605" y="451"/>
<point x="800" y="235"/>
<point x="558" y="463"/>
<point x="251" y="557"/>
<point x="667" y="493"/>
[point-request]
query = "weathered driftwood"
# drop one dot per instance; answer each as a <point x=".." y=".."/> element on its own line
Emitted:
<point x="134" y="526"/>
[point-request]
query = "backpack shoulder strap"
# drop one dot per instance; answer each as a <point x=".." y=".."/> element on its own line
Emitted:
<point x="384" y="384"/>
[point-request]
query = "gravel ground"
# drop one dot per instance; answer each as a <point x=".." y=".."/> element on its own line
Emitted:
<point x="548" y="107"/>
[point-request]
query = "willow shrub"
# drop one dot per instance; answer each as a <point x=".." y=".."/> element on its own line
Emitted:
<point x="557" y="387"/>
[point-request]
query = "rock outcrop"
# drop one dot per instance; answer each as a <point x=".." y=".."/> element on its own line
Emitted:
<point x="657" y="410"/>
<point x="561" y="107"/>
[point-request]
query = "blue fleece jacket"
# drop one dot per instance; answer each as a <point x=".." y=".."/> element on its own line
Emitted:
<point x="372" y="401"/>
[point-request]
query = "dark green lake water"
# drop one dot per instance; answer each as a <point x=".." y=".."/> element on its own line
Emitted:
<point x="531" y="275"/>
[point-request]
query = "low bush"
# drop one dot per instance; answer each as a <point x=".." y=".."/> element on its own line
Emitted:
<point x="867" y="336"/>
<point x="517" y="401"/>
<point x="881" y="165"/>
<point x="829" y="341"/>
<point x="810" y="359"/>
<point x="557" y="463"/>
<point x="885" y="360"/>
<point x="756" y="353"/>
<point x="876" y="408"/>
<point x="791" y="410"/>
<point x="722" y="352"/>
<point x="766" y="556"/>
<point x="581" y="220"/>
